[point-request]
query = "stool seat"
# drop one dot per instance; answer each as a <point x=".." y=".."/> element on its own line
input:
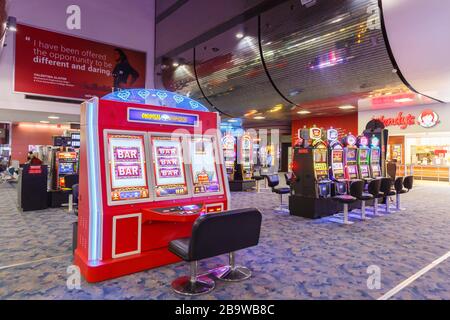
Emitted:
<point x="345" y="198"/>
<point x="402" y="191"/>
<point x="282" y="190"/>
<point x="258" y="178"/>
<point x="366" y="197"/>
<point x="180" y="247"/>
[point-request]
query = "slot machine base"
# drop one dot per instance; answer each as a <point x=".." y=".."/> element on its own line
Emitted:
<point x="104" y="270"/>
<point x="312" y="208"/>
<point x="242" y="185"/>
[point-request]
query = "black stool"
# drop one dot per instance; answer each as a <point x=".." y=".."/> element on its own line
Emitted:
<point x="288" y="178"/>
<point x="374" y="189"/>
<point x="213" y="235"/>
<point x="398" y="186"/>
<point x="347" y="199"/>
<point x="386" y="190"/>
<point x="258" y="179"/>
<point x="75" y="193"/>
<point x="408" y="182"/>
<point x="357" y="191"/>
<point x="273" y="181"/>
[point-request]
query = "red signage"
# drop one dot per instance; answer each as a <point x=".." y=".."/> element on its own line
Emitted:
<point x="35" y="170"/>
<point x="427" y="119"/>
<point x="54" y="64"/>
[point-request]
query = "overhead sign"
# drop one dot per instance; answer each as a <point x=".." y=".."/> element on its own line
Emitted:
<point x="161" y="117"/>
<point x="426" y="119"/>
<point x="54" y="64"/>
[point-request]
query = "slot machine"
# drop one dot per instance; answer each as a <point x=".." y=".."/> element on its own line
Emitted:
<point x="375" y="157"/>
<point x="336" y="160"/>
<point x="311" y="186"/>
<point x="363" y="158"/>
<point x="150" y="165"/>
<point x="66" y="163"/>
<point x="350" y="157"/>
<point x="229" y="154"/>
<point x="246" y="157"/>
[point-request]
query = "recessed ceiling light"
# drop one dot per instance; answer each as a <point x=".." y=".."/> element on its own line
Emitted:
<point x="348" y="107"/>
<point x="175" y="64"/>
<point x="239" y="35"/>
<point x="232" y="120"/>
<point x="402" y="100"/>
<point x="259" y="118"/>
<point x="337" y="20"/>
<point x="53" y="117"/>
<point x="44" y="121"/>
<point x="278" y="107"/>
<point x="250" y="113"/>
<point x="304" y="112"/>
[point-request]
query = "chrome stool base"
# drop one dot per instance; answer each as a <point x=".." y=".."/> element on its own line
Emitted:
<point x="226" y="273"/>
<point x="186" y="287"/>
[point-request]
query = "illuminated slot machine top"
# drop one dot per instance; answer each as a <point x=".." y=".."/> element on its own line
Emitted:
<point x="350" y="157"/>
<point x="375" y="157"/>
<point x="66" y="164"/>
<point x="150" y="167"/>
<point x="363" y="157"/>
<point x="320" y="159"/>
<point x="229" y="153"/>
<point x="336" y="155"/>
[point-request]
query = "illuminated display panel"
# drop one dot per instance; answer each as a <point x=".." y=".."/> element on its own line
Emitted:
<point x="365" y="171"/>
<point x="246" y="157"/>
<point x="338" y="156"/>
<point x="353" y="172"/>
<point x="66" y="168"/>
<point x="375" y="155"/>
<point x="229" y="152"/>
<point x="168" y="167"/>
<point x="203" y="166"/>
<point x="351" y="154"/>
<point x="363" y="155"/>
<point x="127" y="167"/>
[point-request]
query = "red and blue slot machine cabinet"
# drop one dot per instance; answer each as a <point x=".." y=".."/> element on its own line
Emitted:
<point x="350" y="157"/>
<point x="150" y="165"/>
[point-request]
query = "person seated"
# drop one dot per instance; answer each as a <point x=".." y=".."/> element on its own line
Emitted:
<point x="35" y="161"/>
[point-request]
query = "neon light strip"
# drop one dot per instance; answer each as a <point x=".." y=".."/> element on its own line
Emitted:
<point x="95" y="200"/>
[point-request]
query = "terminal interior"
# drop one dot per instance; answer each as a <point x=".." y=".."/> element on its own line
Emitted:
<point x="277" y="150"/>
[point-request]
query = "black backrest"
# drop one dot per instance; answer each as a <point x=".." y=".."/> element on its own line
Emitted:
<point x="273" y="180"/>
<point x="219" y="233"/>
<point x="398" y="184"/>
<point x="70" y="180"/>
<point x="386" y="184"/>
<point x="408" y="182"/>
<point x="75" y="192"/>
<point x="374" y="187"/>
<point x="357" y="188"/>
<point x="288" y="177"/>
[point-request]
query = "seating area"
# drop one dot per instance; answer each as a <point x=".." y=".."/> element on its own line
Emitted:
<point x="211" y="237"/>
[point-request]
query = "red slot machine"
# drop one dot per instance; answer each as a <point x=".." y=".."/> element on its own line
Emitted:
<point x="150" y="165"/>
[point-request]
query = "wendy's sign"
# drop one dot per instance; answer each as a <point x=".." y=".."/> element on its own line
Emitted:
<point x="427" y="119"/>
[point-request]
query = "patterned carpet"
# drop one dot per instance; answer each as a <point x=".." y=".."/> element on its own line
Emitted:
<point x="296" y="258"/>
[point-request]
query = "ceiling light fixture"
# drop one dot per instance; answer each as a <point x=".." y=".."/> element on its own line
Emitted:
<point x="239" y="35"/>
<point x="277" y="108"/>
<point x="347" y="107"/>
<point x="53" y="117"/>
<point x="175" y="64"/>
<point x="259" y="118"/>
<point x="44" y="122"/>
<point x="250" y="113"/>
<point x="403" y="100"/>
<point x="304" y="112"/>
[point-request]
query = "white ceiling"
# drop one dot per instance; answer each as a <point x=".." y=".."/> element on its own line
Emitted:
<point x="15" y="116"/>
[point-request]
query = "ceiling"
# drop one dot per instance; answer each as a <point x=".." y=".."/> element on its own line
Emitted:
<point x="15" y="116"/>
<point x="328" y="59"/>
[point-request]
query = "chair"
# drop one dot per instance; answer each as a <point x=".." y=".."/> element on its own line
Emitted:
<point x="346" y="199"/>
<point x="357" y="191"/>
<point x="374" y="189"/>
<point x="408" y="182"/>
<point x="273" y="181"/>
<point x="73" y="198"/>
<point x="288" y="178"/>
<point x="211" y="237"/>
<point x="386" y="190"/>
<point x="70" y="180"/>
<point x="257" y="177"/>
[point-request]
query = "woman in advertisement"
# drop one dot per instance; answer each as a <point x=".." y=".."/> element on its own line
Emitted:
<point x="123" y="73"/>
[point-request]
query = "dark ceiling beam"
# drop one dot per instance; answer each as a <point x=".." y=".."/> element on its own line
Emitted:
<point x="169" y="11"/>
<point x="221" y="28"/>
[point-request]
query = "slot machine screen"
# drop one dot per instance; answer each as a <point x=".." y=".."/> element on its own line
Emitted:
<point x="203" y="166"/>
<point x="351" y="154"/>
<point x="365" y="171"/>
<point x="353" y="172"/>
<point x="127" y="168"/>
<point x="66" y="168"/>
<point x="338" y="156"/>
<point x="363" y="154"/>
<point x="376" y="155"/>
<point x="168" y="167"/>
